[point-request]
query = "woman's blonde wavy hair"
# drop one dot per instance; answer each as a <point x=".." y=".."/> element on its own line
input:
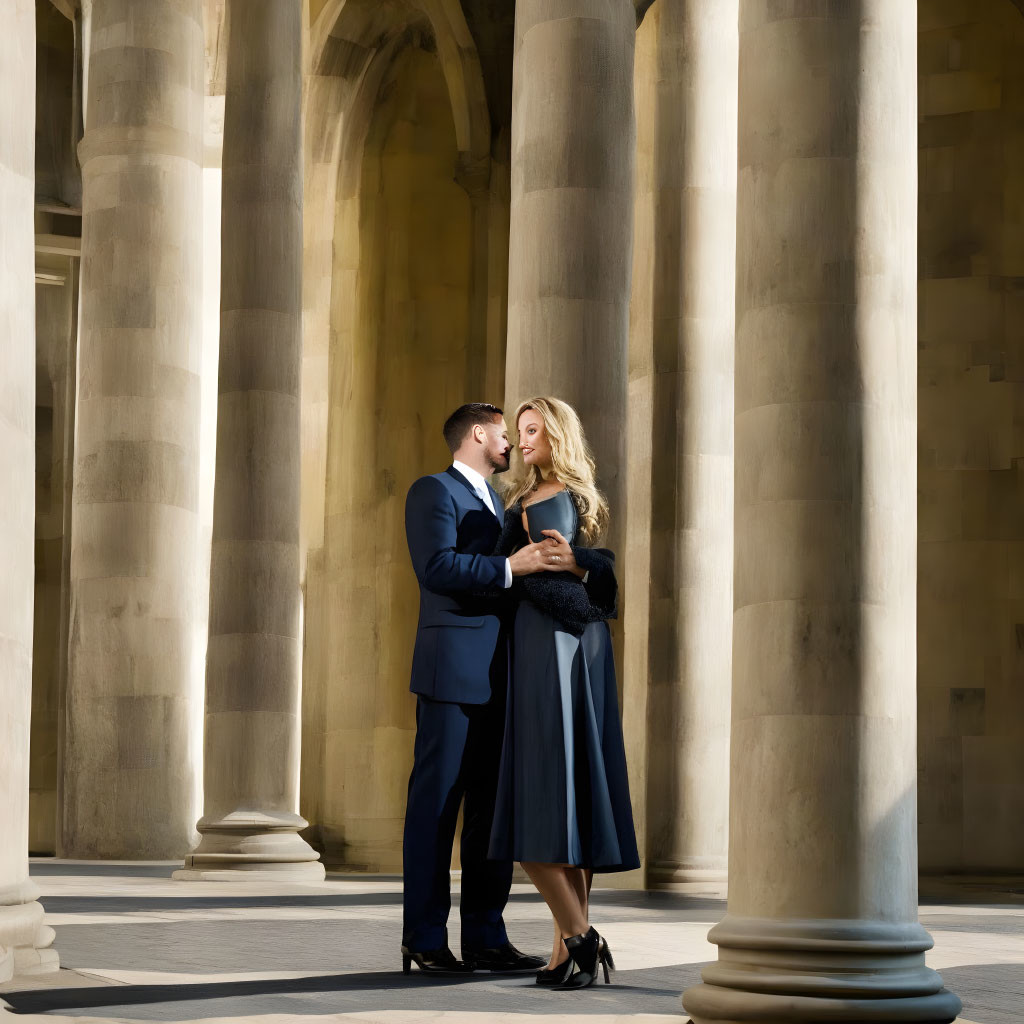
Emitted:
<point x="571" y="461"/>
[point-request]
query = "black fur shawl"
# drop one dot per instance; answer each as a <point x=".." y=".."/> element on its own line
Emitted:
<point x="563" y="595"/>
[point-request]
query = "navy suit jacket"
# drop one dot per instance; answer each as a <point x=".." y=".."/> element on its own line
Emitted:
<point x="451" y="535"/>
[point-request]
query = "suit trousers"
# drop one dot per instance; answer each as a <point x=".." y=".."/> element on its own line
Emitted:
<point x="457" y="756"/>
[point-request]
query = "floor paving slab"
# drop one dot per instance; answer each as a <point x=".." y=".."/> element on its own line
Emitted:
<point x="137" y="946"/>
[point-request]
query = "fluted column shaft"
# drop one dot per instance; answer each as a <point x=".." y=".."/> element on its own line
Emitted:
<point x="129" y="785"/>
<point x="822" y="919"/>
<point x="573" y="138"/>
<point x="250" y="821"/>
<point x="23" y="936"/>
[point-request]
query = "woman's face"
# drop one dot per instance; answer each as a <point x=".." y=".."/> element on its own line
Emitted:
<point x="533" y="440"/>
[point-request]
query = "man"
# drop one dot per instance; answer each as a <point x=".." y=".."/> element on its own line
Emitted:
<point x="459" y="674"/>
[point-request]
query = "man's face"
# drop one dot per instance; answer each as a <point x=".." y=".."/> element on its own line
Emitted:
<point x="497" y="447"/>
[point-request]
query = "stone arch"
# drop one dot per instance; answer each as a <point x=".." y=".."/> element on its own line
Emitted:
<point x="351" y="44"/>
<point x="347" y="33"/>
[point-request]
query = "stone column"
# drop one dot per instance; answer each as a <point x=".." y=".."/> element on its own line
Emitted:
<point x="129" y="761"/>
<point x="822" y="919"/>
<point x="570" y="250"/>
<point x="23" y="936"/>
<point x="250" y="822"/>
<point x="689" y="356"/>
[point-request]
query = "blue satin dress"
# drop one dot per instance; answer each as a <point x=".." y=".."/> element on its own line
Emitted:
<point x="563" y="791"/>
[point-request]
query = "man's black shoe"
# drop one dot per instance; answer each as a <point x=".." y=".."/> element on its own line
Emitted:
<point x="504" y="959"/>
<point x="434" y="961"/>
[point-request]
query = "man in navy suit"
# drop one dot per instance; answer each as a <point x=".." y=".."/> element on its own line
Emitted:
<point x="459" y="676"/>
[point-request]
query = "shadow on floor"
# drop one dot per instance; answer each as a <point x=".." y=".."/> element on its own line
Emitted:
<point x="47" y="1001"/>
<point x="105" y="869"/>
<point x="630" y="992"/>
<point x="138" y="904"/>
<point x="108" y="904"/>
<point x="992" y="994"/>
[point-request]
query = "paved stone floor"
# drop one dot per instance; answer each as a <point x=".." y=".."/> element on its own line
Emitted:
<point x="136" y="946"/>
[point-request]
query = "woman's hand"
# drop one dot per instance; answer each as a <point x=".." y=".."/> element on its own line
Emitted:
<point x="558" y="556"/>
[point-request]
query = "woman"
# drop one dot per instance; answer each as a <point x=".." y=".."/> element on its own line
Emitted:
<point x="563" y="807"/>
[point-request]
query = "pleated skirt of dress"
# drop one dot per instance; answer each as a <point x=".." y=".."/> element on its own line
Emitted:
<point x="563" y="791"/>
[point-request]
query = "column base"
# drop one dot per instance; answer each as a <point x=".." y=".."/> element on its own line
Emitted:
<point x="29" y="960"/>
<point x="24" y="937"/>
<point x="665" y="874"/>
<point x="251" y="846"/>
<point x="781" y="972"/>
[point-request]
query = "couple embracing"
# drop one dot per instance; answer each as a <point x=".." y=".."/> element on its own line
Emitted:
<point x="517" y="714"/>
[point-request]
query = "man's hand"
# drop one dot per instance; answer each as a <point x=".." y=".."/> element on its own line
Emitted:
<point x="531" y="559"/>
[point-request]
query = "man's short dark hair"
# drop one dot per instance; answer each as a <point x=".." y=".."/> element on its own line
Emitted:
<point x="464" y="419"/>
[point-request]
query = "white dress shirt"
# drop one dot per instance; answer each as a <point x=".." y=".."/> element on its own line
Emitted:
<point x="481" y="490"/>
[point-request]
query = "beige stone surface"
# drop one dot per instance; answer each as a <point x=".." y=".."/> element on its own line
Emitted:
<point x="570" y="243"/>
<point x="679" y="546"/>
<point x="570" y="250"/>
<point x="971" y="375"/>
<point x="406" y="354"/>
<point x="58" y="113"/>
<point x="56" y="349"/>
<point x="58" y="187"/>
<point x="407" y="192"/>
<point x="823" y="839"/>
<point x="640" y="608"/>
<point x="23" y="935"/>
<point x="250" y="822"/>
<point x="407" y="253"/>
<point x="326" y="951"/>
<point x="128" y="762"/>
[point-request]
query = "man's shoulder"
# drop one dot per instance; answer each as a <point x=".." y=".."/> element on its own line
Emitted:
<point x="433" y="485"/>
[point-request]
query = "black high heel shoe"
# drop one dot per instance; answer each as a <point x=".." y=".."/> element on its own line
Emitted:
<point x="555" y="975"/>
<point x="586" y="952"/>
<point x="607" y="961"/>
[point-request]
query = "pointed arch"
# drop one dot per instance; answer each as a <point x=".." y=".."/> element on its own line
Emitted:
<point x="346" y="33"/>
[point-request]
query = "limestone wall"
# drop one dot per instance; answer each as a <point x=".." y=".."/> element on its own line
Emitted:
<point x="55" y="326"/>
<point x="399" y="363"/>
<point x="58" y="108"/>
<point x="58" y="189"/>
<point x="971" y="436"/>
